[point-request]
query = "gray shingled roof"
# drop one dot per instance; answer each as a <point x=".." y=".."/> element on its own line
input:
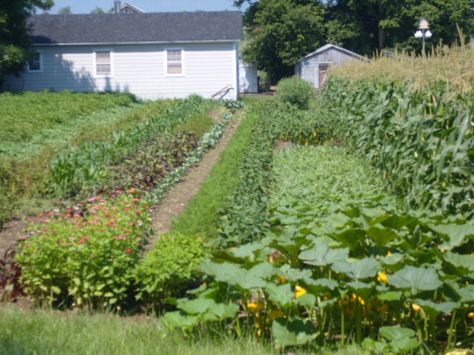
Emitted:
<point x="132" y="28"/>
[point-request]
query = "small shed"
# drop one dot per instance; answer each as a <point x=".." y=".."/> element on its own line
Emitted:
<point x="314" y="66"/>
<point x="248" y="78"/>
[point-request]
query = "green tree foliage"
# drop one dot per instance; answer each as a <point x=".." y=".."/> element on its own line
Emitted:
<point x="65" y="10"/>
<point x="98" y="11"/>
<point x="367" y="25"/>
<point x="14" y="39"/>
<point x="281" y="31"/>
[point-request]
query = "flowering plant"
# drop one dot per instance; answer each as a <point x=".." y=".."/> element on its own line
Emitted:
<point x="86" y="260"/>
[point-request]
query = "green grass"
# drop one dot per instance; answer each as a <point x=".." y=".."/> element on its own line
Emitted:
<point x="201" y="215"/>
<point x="44" y="332"/>
<point x="24" y="115"/>
<point x="25" y="332"/>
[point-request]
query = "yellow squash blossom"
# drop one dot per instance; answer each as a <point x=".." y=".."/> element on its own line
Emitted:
<point x="359" y="299"/>
<point x="300" y="291"/>
<point x="416" y="308"/>
<point x="255" y="307"/>
<point x="382" y="277"/>
<point x="282" y="279"/>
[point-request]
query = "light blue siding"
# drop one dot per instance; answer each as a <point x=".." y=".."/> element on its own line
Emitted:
<point x="138" y="68"/>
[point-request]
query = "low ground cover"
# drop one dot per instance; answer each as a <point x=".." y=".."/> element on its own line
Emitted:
<point x="201" y="216"/>
<point x="27" y="114"/>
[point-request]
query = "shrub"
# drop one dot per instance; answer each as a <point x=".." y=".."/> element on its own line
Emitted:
<point x="86" y="260"/>
<point x="295" y="91"/>
<point x="169" y="269"/>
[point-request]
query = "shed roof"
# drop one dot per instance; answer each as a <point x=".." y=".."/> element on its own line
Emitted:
<point x="332" y="46"/>
<point x="132" y="7"/>
<point x="137" y="28"/>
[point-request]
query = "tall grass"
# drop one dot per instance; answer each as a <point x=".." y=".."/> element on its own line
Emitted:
<point x="43" y="332"/>
<point x="453" y="66"/>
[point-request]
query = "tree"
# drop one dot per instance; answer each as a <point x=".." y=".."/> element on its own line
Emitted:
<point x="281" y="32"/>
<point x="98" y="11"/>
<point x="367" y="25"/>
<point x="14" y="40"/>
<point x="65" y="10"/>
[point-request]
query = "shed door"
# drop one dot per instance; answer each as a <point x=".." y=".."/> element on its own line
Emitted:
<point x="323" y="74"/>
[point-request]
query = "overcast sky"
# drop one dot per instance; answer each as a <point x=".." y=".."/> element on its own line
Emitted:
<point x="86" y="6"/>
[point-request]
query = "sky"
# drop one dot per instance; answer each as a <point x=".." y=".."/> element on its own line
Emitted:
<point x="86" y="6"/>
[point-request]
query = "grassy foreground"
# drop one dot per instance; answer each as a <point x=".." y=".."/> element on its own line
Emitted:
<point x="48" y="332"/>
<point x="45" y="332"/>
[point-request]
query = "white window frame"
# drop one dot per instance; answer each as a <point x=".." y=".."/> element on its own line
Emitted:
<point x="40" y="70"/>
<point x="94" y="61"/>
<point x="166" y="61"/>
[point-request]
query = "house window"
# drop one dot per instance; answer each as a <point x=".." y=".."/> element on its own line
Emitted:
<point x="35" y="64"/>
<point x="174" y="61"/>
<point x="103" y="63"/>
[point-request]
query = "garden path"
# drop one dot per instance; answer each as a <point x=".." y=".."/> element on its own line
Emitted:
<point x="178" y="197"/>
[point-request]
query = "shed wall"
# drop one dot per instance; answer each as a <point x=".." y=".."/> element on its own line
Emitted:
<point x="139" y="69"/>
<point x="248" y="81"/>
<point x="308" y="68"/>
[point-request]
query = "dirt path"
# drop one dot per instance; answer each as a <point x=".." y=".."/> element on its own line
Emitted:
<point x="178" y="197"/>
<point x="10" y="233"/>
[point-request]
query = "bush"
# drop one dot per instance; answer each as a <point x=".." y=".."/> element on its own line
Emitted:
<point x="169" y="269"/>
<point x="295" y="91"/>
<point x="86" y="260"/>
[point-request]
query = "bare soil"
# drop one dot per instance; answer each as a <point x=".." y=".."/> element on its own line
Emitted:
<point x="280" y="145"/>
<point x="14" y="231"/>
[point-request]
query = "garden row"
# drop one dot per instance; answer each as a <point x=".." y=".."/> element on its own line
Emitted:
<point x="90" y="255"/>
<point x="322" y="255"/>
<point x="74" y="148"/>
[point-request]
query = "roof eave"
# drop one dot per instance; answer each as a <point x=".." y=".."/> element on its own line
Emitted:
<point x="132" y="43"/>
<point x="328" y="46"/>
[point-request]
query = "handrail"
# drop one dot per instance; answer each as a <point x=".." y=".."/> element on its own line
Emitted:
<point x="222" y="93"/>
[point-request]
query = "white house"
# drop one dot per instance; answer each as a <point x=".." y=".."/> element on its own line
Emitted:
<point x="152" y="55"/>
<point x="314" y="66"/>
